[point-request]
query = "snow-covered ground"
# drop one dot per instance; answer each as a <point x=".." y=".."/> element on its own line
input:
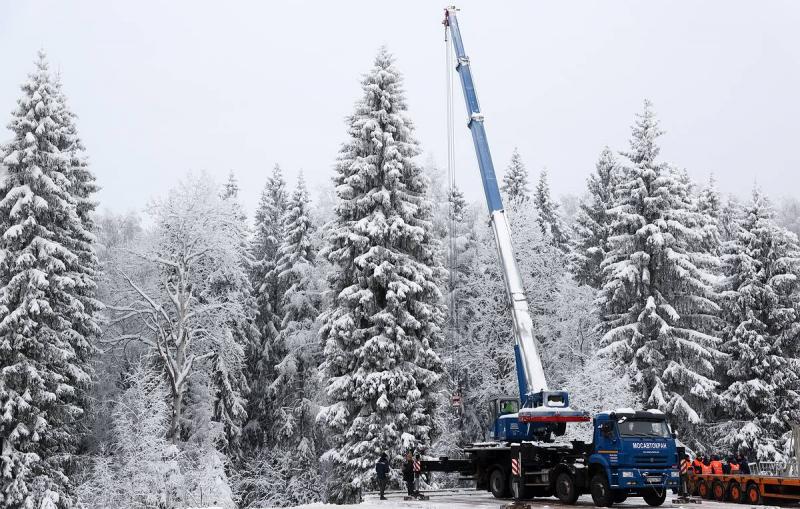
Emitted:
<point x="484" y="500"/>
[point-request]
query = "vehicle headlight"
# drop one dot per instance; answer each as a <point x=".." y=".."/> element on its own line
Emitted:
<point x="627" y="474"/>
<point x="674" y="473"/>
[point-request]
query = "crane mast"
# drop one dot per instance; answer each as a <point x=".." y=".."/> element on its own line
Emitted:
<point x="539" y="403"/>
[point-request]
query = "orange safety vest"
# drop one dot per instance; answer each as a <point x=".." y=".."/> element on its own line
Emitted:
<point x="734" y="468"/>
<point x="705" y="469"/>
<point x="684" y="466"/>
<point x="716" y="467"/>
<point x="697" y="465"/>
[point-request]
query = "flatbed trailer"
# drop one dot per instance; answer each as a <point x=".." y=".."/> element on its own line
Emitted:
<point x="745" y="488"/>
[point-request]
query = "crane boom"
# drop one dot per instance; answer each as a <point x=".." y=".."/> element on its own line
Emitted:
<point x="540" y="405"/>
<point x="529" y="370"/>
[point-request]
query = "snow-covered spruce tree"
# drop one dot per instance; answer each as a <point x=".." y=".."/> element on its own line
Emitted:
<point x="231" y="282"/>
<point x="655" y="296"/>
<point x="386" y="317"/>
<point x="761" y="306"/>
<point x="461" y="252"/>
<point x="45" y="331"/>
<point x="263" y="355"/>
<point x="729" y="219"/>
<point x="549" y="217"/>
<point x="294" y="410"/>
<point x="709" y="205"/>
<point x="592" y="225"/>
<point x="515" y="180"/>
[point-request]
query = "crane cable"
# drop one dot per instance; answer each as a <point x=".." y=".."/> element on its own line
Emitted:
<point x="452" y="255"/>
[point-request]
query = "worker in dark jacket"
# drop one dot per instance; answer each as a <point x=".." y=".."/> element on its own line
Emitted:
<point x="408" y="473"/>
<point x="744" y="467"/>
<point x="382" y="469"/>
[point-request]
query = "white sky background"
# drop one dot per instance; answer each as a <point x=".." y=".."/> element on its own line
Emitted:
<point x="166" y="87"/>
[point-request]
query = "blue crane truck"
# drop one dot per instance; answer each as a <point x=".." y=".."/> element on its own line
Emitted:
<point x="632" y="453"/>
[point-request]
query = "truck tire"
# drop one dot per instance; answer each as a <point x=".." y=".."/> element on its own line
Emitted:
<point x="718" y="491"/>
<point x="703" y="489"/>
<point x="601" y="492"/>
<point x="565" y="488"/>
<point x="655" y="498"/>
<point x="498" y="484"/>
<point x="620" y="498"/>
<point x="753" y="494"/>
<point x="735" y="493"/>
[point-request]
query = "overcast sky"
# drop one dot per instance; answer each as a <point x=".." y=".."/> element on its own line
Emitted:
<point x="166" y="87"/>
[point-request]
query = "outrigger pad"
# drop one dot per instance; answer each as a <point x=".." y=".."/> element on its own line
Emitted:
<point x="551" y="414"/>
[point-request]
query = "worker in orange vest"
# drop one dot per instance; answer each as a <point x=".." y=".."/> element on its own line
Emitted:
<point x="733" y="464"/>
<point x="697" y="465"/>
<point x="706" y="467"/>
<point x="716" y="465"/>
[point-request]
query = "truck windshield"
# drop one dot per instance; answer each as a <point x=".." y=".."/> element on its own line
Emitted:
<point x="643" y="429"/>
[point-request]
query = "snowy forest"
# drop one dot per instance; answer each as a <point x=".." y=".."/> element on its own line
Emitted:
<point x="192" y="355"/>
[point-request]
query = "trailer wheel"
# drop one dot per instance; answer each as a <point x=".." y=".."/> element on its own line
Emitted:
<point x="734" y="492"/>
<point x="655" y="498"/>
<point x="601" y="492"/>
<point x="703" y="490"/>
<point x="718" y="491"/>
<point x="753" y="494"/>
<point x="565" y="488"/>
<point x="498" y="483"/>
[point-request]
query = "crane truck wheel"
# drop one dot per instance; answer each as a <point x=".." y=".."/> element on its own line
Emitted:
<point x="601" y="492"/>
<point x="620" y="498"/>
<point x="655" y="498"/>
<point x="718" y="490"/>
<point x="753" y="494"/>
<point x="735" y="492"/>
<point x="498" y="483"/>
<point x="565" y="488"/>
<point x="703" y="490"/>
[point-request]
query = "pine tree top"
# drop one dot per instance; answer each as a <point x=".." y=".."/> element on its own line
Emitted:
<point x="645" y="132"/>
<point x="515" y="180"/>
<point x="231" y="187"/>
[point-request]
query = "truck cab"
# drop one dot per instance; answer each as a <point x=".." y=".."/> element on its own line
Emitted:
<point x="633" y="454"/>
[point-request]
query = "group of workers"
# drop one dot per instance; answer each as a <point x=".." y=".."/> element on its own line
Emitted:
<point x="734" y="464"/>
<point x="411" y="473"/>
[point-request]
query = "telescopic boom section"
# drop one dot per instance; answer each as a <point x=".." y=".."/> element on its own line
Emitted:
<point x="530" y="374"/>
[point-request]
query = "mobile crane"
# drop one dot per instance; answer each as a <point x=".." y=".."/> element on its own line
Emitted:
<point x="633" y="453"/>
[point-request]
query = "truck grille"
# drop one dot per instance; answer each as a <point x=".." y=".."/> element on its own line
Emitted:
<point x="650" y="460"/>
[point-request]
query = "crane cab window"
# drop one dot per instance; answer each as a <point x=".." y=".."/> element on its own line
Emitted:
<point x="556" y="400"/>
<point x="509" y="406"/>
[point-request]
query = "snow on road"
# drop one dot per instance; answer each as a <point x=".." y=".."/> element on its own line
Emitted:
<point x="484" y="500"/>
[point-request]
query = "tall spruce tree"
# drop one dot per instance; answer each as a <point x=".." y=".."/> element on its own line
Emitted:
<point x="386" y="318"/>
<point x="82" y="188"/>
<point x="262" y="355"/>
<point x="709" y="205"/>
<point x="231" y="282"/>
<point x="761" y="306"/>
<point x="44" y="347"/>
<point x="295" y="372"/>
<point x="515" y="180"/>
<point x="549" y="217"/>
<point x="655" y="296"/>
<point x="592" y="228"/>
